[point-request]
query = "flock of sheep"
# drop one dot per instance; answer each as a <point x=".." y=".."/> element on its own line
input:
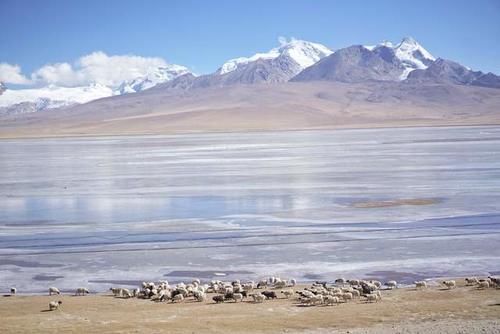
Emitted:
<point x="319" y="293"/>
<point x="236" y="291"/>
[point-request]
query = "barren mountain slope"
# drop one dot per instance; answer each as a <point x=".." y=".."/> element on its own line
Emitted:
<point x="282" y="106"/>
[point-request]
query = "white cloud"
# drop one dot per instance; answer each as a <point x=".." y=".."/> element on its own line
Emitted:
<point x="284" y="40"/>
<point x="58" y="74"/>
<point x="11" y="74"/>
<point x="97" y="67"/>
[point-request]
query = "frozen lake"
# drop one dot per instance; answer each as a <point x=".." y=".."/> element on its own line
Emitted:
<point x="403" y="203"/>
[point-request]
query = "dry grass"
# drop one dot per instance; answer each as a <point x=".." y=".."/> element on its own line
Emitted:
<point x="106" y="314"/>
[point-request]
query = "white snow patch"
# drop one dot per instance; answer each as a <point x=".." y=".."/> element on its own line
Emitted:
<point x="302" y="52"/>
<point x="55" y="96"/>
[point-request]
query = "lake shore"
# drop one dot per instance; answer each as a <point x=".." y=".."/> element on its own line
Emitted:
<point x="405" y="310"/>
<point x="31" y="134"/>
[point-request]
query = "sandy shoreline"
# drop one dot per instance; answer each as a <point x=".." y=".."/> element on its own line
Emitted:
<point x="436" y="310"/>
<point x="20" y="135"/>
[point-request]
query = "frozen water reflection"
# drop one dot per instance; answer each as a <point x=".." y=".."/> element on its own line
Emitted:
<point x="309" y="204"/>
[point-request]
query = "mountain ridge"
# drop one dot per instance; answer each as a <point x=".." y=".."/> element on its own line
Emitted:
<point x="294" y="61"/>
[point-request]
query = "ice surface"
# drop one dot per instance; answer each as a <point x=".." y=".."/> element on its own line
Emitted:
<point x="90" y="211"/>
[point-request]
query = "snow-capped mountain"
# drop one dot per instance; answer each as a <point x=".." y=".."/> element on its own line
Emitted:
<point x="303" y="53"/>
<point x="382" y="62"/>
<point x="53" y="96"/>
<point x="278" y="65"/>
<point x="410" y="53"/>
<point x="155" y="77"/>
<point x="294" y="60"/>
<point x="15" y="101"/>
<point x="413" y="56"/>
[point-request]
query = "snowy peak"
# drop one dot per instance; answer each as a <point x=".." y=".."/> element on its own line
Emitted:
<point x="409" y="53"/>
<point x="53" y="96"/>
<point x="302" y="53"/>
<point x="153" y="78"/>
<point x="412" y="55"/>
<point x="410" y="46"/>
<point x="2" y="88"/>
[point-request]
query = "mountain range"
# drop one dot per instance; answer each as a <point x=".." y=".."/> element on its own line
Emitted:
<point x="402" y="75"/>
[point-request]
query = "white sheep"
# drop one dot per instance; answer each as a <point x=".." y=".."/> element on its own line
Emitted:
<point x="317" y="299"/>
<point x="13" y="291"/>
<point x="163" y="295"/>
<point x="335" y="290"/>
<point x="54" y="305"/>
<point x="163" y="285"/>
<point x="54" y="291"/>
<point x="471" y="280"/>
<point x="238" y="296"/>
<point x="450" y="284"/>
<point x="347" y="296"/>
<point x="355" y="293"/>
<point x="125" y="293"/>
<point x="483" y="284"/>
<point x="420" y="284"/>
<point x="258" y="298"/>
<point x="347" y="289"/>
<point x="287" y="293"/>
<point x="81" y="291"/>
<point x="370" y="298"/>
<point x="293" y="282"/>
<point x="392" y="284"/>
<point x="307" y="293"/>
<point x="116" y="291"/>
<point x="178" y="298"/>
<point x="339" y="295"/>
<point x="330" y="300"/>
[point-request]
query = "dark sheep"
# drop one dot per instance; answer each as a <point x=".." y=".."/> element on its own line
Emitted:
<point x="176" y="292"/>
<point x="270" y="294"/>
<point x="218" y="299"/>
<point x="367" y="289"/>
<point x="495" y="280"/>
<point x="322" y="283"/>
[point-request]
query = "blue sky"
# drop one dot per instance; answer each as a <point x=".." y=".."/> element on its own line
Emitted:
<point x="203" y="34"/>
